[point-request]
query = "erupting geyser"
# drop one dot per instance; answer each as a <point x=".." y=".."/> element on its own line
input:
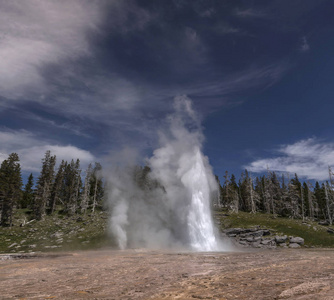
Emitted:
<point x="172" y="207"/>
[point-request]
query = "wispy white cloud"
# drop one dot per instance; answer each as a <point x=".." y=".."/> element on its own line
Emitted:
<point x="127" y="16"/>
<point x="37" y="33"/>
<point x="305" y="46"/>
<point x="31" y="150"/>
<point x="308" y="158"/>
<point x="250" y="13"/>
<point x="259" y="77"/>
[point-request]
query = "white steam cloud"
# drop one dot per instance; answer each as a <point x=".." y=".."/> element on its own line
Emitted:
<point x="167" y="204"/>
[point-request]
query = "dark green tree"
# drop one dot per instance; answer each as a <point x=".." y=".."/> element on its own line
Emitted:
<point x="10" y="188"/>
<point x="57" y="188"/>
<point x="28" y="193"/>
<point x="295" y="197"/>
<point x="320" y="201"/>
<point x="72" y="185"/>
<point x="44" y="186"/>
<point x="85" y="196"/>
<point x="96" y="184"/>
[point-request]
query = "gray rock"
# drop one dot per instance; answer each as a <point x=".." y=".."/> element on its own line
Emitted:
<point x="233" y="231"/>
<point x="57" y="235"/>
<point x="294" y="245"/>
<point x="257" y="238"/>
<point x="330" y="230"/>
<point x="258" y="233"/>
<point x="268" y="242"/>
<point x="296" y="240"/>
<point x="237" y="231"/>
<point x="281" y="239"/>
<point x="266" y="232"/>
<point x="256" y="244"/>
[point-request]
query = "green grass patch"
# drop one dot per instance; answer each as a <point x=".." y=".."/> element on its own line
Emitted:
<point x="313" y="233"/>
<point x="55" y="233"/>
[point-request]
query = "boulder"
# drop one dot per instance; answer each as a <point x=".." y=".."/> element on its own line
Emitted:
<point x="330" y="230"/>
<point x="237" y="231"/>
<point x="296" y="240"/>
<point x="258" y="233"/>
<point x="279" y="239"/>
<point x="234" y="231"/>
<point x="268" y="242"/>
<point x="266" y="232"/>
<point x="256" y="244"/>
<point x="294" y="245"/>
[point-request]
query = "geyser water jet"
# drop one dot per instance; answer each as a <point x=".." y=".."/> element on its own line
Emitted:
<point x="168" y="204"/>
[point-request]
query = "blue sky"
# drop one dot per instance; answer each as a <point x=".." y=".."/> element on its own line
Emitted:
<point x="87" y="79"/>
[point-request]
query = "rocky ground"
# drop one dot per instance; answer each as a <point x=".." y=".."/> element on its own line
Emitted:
<point x="262" y="238"/>
<point x="56" y="233"/>
<point x="140" y="274"/>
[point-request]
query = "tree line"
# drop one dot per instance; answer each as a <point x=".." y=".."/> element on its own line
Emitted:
<point x="278" y="195"/>
<point x="65" y="190"/>
<point x="61" y="190"/>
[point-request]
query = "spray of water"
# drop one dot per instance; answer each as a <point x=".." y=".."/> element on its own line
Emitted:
<point x="171" y="205"/>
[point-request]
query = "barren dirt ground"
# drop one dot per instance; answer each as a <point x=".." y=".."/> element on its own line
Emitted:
<point x="140" y="274"/>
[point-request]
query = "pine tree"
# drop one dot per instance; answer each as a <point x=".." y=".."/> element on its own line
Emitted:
<point x="57" y="188"/>
<point x="72" y="186"/>
<point x="320" y="204"/>
<point x="86" y="190"/>
<point x="28" y="193"/>
<point x="330" y="197"/>
<point x="235" y="195"/>
<point x="217" y="195"/>
<point x="295" y="197"/>
<point x="44" y="185"/>
<point x="226" y="191"/>
<point x="248" y="195"/>
<point x="96" y="184"/>
<point x="10" y="188"/>
<point x="309" y="199"/>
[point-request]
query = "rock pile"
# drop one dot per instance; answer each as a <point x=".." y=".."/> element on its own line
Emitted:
<point x="262" y="238"/>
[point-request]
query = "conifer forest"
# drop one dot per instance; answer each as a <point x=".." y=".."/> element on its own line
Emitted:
<point x="69" y="190"/>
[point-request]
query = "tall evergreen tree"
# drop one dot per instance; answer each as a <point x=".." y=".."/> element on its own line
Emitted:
<point x="85" y="196"/>
<point x="320" y="203"/>
<point x="72" y="186"/>
<point x="44" y="185"/>
<point x="28" y="193"/>
<point x="57" y="188"/>
<point x="248" y="195"/>
<point x="97" y="190"/>
<point x="234" y="189"/>
<point x="295" y="189"/>
<point x="226" y="191"/>
<point x="330" y="197"/>
<point x="10" y="188"/>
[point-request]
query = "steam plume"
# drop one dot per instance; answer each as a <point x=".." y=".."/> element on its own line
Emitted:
<point x="168" y="204"/>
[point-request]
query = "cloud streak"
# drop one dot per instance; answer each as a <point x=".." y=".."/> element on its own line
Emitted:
<point x="31" y="150"/>
<point x="39" y="33"/>
<point x="308" y="158"/>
